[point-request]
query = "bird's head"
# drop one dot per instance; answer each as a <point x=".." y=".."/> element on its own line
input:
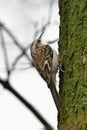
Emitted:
<point x="35" y="45"/>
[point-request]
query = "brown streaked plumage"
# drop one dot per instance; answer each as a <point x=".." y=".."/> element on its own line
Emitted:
<point x="46" y="62"/>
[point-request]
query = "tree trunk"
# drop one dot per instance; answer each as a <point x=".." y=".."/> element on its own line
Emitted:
<point x="73" y="82"/>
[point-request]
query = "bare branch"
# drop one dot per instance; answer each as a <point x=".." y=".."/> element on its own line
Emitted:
<point x="12" y="36"/>
<point x="5" y="52"/>
<point x="49" y="19"/>
<point x="15" y="41"/>
<point x="44" y="26"/>
<point x="16" y="61"/>
<point x="7" y="86"/>
<point x="23" y="53"/>
<point x="19" y="57"/>
<point x="36" y="31"/>
<point x="26" y="68"/>
<point x="52" y="41"/>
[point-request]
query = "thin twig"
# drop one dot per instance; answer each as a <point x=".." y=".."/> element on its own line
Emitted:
<point x="12" y="36"/>
<point x="35" y="25"/>
<point x="49" y="19"/>
<point x="15" y="62"/>
<point x="24" y="50"/>
<point x="52" y="41"/>
<point x="43" y="28"/>
<point x="14" y="39"/>
<point x="26" y="68"/>
<point x="18" y="58"/>
<point x="5" y="52"/>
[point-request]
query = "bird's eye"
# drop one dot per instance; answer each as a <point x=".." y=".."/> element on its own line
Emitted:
<point x="39" y="40"/>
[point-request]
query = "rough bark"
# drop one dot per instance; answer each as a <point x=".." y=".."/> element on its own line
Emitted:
<point x="73" y="82"/>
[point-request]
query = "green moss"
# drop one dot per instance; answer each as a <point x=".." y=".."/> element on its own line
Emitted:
<point x="74" y="123"/>
<point x="73" y="82"/>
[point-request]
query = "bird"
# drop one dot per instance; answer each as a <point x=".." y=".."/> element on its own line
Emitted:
<point x="45" y="60"/>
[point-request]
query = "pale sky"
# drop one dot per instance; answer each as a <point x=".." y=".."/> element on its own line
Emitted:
<point x="17" y="15"/>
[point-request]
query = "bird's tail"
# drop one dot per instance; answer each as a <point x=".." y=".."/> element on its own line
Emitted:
<point x="55" y="95"/>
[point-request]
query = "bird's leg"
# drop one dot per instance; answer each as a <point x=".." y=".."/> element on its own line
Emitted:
<point x="60" y="61"/>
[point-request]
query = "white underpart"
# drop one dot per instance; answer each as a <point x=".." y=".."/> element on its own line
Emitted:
<point x="54" y="66"/>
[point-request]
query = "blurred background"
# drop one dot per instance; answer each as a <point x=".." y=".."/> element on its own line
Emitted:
<point x="24" y="18"/>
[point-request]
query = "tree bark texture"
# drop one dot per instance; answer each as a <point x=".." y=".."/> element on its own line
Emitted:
<point x="73" y="82"/>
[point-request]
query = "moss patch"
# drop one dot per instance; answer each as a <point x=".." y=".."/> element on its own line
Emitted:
<point x="73" y="82"/>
